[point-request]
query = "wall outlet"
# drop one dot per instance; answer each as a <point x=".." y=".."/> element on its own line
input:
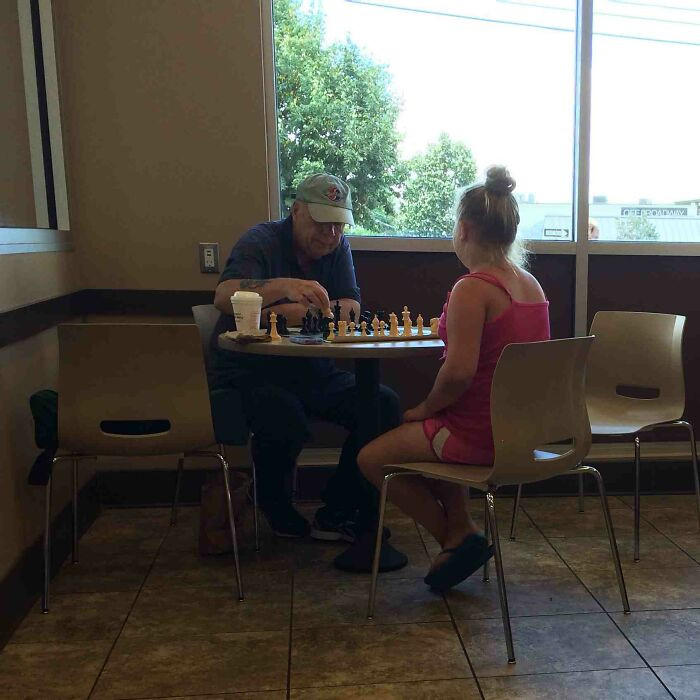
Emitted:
<point x="208" y="257"/>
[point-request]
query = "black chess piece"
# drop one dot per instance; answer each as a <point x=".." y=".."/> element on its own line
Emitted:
<point x="336" y="313"/>
<point x="306" y="323"/>
<point x="282" y="325"/>
<point x="314" y="325"/>
<point x="352" y="315"/>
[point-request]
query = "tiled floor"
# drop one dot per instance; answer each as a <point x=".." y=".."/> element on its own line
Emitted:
<point x="142" y="616"/>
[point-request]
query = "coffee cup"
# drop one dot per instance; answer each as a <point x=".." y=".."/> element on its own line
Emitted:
<point x="246" y="310"/>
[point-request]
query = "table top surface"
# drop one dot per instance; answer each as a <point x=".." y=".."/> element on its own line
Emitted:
<point x="360" y="350"/>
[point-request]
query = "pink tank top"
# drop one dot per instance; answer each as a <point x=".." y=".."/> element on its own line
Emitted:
<point x="469" y="418"/>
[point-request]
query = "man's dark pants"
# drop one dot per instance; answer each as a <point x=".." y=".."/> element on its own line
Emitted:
<point x="278" y="415"/>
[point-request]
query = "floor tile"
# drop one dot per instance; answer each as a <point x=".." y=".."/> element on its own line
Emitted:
<point x="362" y="655"/>
<point x="537" y="593"/>
<point x="685" y="501"/>
<point x="672" y="521"/>
<point x="647" y="589"/>
<point x="121" y="571"/>
<point x="77" y="617"/>
<point x="457" y="689"/>
<point x="690" y="544"/>
<point x="682" y="681"/>
<point x="56" y="671"/>
<point x="222" y="663"/>
<point x="655" y="551"/>
<point x="260" y="695"/>
<point x="344" y="602"/>
<point x="589" y="685"/>
<point x="556" y="643"/>
<point x="664" y="638"/>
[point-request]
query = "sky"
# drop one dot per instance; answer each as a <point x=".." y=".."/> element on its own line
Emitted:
<point x="506" y="89"/>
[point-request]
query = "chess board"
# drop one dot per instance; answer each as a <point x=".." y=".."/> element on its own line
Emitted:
<point x="357" y="337"/>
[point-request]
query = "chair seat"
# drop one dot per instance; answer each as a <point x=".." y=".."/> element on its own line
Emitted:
<point x="612" y="418"/>
<point x="472" y="475"/>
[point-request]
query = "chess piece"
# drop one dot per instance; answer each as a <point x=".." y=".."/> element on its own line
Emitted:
<point x="273" y="327"/>
<point x="375" y="324"/>
<point x="330" y="331"/>
<point x="351" y="326"/>
<point x="434" y="323"/>
<point x="419" y="324"/>
<point x="407" y="323"/>
<point x="336" y="312"/>
<point x="342" y="327"/>
<point x="382" y="327"/>
<point x="282" y="324"/>
<point x="352" y="316"/>
<point x="393" y="325"/>
<point x="363" y="328"/>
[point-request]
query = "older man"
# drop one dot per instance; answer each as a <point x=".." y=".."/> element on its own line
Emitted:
<point x="302" y="262"/>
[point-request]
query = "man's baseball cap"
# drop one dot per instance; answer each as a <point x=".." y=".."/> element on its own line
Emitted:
<point x="327" y="197"/>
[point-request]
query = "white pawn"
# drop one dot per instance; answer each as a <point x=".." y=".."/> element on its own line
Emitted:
<point x="393" y="325"/>
<point x="382" y="328"/>
<point x="274" y="335"/>
<point x="331" y="332"/>
<point x="342" y="327"/>
<point x="363" y="328"/>
<point x="351" y="327"/>
<point x="419" y="324"/>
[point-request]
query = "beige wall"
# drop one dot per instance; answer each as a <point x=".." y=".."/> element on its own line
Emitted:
<point x="164" y="130"/>
<point x="16" y="188"/>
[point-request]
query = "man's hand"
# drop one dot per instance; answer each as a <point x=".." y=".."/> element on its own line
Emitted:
<point x="306" y="292"/>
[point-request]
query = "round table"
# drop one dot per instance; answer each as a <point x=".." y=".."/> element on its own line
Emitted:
<point x="366" y="356"/>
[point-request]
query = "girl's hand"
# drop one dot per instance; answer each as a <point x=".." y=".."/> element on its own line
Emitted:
<point x="416" y="414"/>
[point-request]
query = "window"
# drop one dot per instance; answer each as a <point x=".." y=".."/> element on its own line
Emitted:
<point x="411" y="100"/>
<point x="645" y="113"/>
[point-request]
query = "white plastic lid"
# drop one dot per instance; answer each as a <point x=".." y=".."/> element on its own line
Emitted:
<point x="245" y="295"/>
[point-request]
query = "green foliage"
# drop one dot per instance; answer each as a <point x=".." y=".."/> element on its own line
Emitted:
<point x="636" y="228"/>
<point x="336" y="114"/>
<point x="433" y="182"/>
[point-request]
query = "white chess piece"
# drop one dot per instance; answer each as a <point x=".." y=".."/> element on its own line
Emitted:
<point x="342" y="327"/>
<point x="393" y="325"/>
<point x="363" y="328"/>
<point x="375" y="324"/>
<point x="351" y="327"/>
<point x="273" y="327"/>
<point x="331" y="332"/>
<point x="434" y="323"/>
<point x="382" y="328"/>
<point x="407" y="323"/>
<point x="419" y="324"/>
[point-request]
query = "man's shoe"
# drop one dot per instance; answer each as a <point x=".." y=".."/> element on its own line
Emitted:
<point x="285" y="521"/>
<point x="333" y="525"/>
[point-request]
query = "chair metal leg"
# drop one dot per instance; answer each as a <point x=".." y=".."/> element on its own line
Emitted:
<point x="485" y="576"/>
<point x="378" y="546"/>
<point x="694" y="455"/>
<point x="637" y="498"/>
<point x="611" y="535"/>
<point x="516" y="508"/>
<point x="491" y="512"/>
<point x="47" y="547"/>
<point x="75" y="510"/>
<point x="176" y="495"/>
<point x="232" y="523"/>
<point x="256" y="522"/>
<point x="581" y="507"/>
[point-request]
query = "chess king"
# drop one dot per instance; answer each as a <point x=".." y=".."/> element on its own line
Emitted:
<point x="300" y="264"/>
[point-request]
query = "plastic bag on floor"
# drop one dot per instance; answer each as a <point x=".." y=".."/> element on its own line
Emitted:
<point x="214" y="530"/>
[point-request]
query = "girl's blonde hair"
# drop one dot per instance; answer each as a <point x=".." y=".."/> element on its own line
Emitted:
<point x="494" y="211"/>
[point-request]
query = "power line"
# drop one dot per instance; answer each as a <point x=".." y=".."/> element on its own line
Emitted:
<point x="513" y="23"/>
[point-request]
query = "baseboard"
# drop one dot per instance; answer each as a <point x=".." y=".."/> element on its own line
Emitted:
<point x="21" y="587"/>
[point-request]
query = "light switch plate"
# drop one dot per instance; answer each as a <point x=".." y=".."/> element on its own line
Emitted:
<point x="208" y="257"/>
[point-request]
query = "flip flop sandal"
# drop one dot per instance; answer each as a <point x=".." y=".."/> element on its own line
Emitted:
<point x="471" y="554"/>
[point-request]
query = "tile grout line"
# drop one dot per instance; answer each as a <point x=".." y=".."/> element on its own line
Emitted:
<point x="610" y="617"/>
<point x="126" y="619"/>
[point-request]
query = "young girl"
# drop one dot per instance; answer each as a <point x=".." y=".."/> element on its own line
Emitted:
<point x="497" y="303"/>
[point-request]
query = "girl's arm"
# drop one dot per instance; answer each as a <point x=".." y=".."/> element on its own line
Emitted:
<point x="466" y="314"/>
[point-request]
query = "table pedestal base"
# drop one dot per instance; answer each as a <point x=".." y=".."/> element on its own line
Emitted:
<point x="358" y="557"/>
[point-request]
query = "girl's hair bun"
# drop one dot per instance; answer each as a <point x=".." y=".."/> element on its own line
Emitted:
<point x="499" y="181"/>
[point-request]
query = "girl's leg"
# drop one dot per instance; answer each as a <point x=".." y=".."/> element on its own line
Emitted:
<point x="459" y="520"/>
<point x="407" y="443"/>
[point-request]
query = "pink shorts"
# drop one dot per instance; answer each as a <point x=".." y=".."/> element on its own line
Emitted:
<point x="449" y="448"/>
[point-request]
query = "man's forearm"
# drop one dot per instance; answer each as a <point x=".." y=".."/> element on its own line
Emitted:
<point x="293" y="311"/>
<point x="345" y="306"/>
<point x="270" y="290"/>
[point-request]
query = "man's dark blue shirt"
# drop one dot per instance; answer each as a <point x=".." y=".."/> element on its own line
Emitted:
<point x="266" y="251"/>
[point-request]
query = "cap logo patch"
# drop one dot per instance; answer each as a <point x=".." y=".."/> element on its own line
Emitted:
<point x="333" y="194"/>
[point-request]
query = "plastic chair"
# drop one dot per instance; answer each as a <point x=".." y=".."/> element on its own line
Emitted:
<point x="537" y="399"/>
<point x="230" y="424"/>
<point x="131" y="390"/>
<point x="638" y="353"/>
